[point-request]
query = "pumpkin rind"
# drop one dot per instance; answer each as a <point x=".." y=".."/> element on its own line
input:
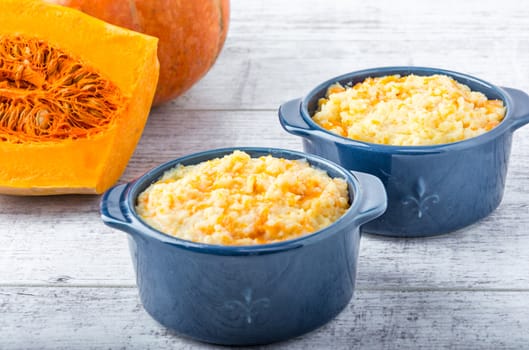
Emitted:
<point x="93" y="163"/>
<point x="191" y="34"/>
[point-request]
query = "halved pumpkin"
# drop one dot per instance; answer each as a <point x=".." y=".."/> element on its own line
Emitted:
<point x="75" y="93"/>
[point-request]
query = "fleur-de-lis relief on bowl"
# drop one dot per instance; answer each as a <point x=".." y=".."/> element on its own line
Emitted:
<point x="421" y="201"/>
<point x="247" y="310"/>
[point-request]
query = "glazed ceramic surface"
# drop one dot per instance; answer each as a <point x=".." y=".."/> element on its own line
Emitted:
<point x="431" y="189"/>
<point x="247" y="294"/>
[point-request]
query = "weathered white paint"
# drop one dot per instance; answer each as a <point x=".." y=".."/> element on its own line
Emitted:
<point x="113" y="318"/>
<point x="66" y="280"/>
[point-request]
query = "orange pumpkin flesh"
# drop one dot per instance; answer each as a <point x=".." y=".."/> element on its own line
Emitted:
<point x="75" y="93"/>
<point x="191" y="34"/>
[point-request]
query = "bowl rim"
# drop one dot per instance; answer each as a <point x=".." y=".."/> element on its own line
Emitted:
<point x="410" y="149"/>
<point x="137" y="225"/>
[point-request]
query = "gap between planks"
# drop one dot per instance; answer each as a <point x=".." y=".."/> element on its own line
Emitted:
<point x="363" y="289"/>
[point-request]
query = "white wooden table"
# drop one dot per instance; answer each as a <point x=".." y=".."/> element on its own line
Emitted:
<point x="66" y="281"/>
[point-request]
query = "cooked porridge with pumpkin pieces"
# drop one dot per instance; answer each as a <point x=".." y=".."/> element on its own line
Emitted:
<point x="240" y="200"/>
<point x="408" y="110"/>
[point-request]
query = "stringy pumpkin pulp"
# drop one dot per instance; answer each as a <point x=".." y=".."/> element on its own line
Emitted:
<point x="47" y="95"/>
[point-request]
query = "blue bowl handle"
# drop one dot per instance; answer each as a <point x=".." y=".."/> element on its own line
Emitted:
<point x="112" y="208"/>
<point x="291" y="119"/>
<point x="521" y="107"/>
<point x="372" y="196"/>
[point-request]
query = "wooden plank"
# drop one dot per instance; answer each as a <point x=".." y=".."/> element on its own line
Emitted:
<point x="264" y="80"/>
<point x="61" y="240"/>
<point x="340" y="20"/>
<point x="113" y="318"/>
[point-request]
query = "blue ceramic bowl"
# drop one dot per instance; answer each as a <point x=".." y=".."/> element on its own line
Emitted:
<point x="242" y="295"/>
<point x="431" y="189"/>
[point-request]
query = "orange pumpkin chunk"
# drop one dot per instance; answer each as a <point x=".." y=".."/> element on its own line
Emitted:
<point x="75" y="93"/>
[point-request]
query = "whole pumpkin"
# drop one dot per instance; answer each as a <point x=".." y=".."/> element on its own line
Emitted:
<point x="191" y="34"/>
